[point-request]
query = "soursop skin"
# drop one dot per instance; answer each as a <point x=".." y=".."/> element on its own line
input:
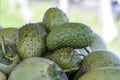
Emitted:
<point x="37" y="68"/>
<point x="75" y="35"/>
<point x="30" y="41"/>
<point x="54" y="17"/>
<point x="67" y="58"/>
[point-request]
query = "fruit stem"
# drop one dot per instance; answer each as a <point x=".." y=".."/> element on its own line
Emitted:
<point x="6" y="55"/>
<point x="3" y="46"/>
<point x="87" y="50"/>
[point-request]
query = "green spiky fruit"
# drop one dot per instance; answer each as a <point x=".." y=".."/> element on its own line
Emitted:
<point x="30" y="40"/>
<point x="2" y="76"/>
<point x="54" y="17"/>
<point x="37" y="69"/>
<point x="98" y="43"/>
<point x="105" y="73"/>
<point x="8" y="33"/>
<point x="67" y="58"/>
<point x="75" y="35"/>
<point x="97" y="59"/>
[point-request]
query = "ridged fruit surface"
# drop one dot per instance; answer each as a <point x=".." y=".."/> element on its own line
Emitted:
<point x="30" y="41"/>
<point x="75" y="35"/>
<point x="54" y="17"/>
<point x="67" y="58"/>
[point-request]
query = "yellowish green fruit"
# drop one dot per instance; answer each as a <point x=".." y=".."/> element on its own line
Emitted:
<point x="97" y="59"/>
<point x="8" y="33"/>
<point x="2" y="76"/>
<point x="37" y="69"/>
<point x="106" y="73"/>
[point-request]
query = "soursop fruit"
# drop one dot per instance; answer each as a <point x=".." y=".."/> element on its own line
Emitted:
<point x="30" y="41"/>
<point x="75" y="35"/>
<point x="67" y="58"/>
<point x="54" y="17"/>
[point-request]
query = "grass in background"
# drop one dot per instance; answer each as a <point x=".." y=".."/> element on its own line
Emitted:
<point x="7" y="18"/>
<point x="14" y="19"/>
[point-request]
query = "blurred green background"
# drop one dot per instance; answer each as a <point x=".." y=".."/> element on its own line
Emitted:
<point x="76" y="13"/>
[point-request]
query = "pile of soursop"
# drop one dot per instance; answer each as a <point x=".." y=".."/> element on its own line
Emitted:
<point x="56" y="49"/>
